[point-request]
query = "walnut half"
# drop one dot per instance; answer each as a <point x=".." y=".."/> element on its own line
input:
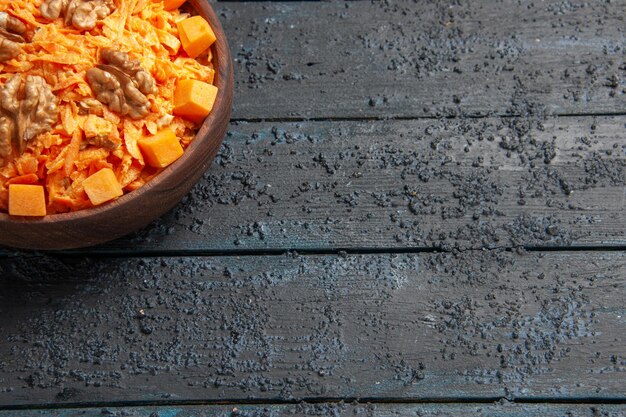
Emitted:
<point x="82" y="14"/>
<point x="122" y="84"/>
<point x="27" y="109"/>
<point x="12" y="32"/>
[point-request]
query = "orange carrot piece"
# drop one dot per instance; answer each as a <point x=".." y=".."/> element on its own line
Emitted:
<point x="161" y="149"/>
<point x="102" y="186"/>
<point x="194" y="99"/>
<point x="27" y="200"/>
<point x="41" y="160"/>
<point x="27" y="164"/>
<point x="72" y="153"/>
<point x="24" y="179"/>
<point x="195" y="35"/>
<point x="172" y="4"/>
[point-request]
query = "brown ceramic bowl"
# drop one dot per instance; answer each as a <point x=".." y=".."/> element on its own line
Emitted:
<point x="135" y="210"/>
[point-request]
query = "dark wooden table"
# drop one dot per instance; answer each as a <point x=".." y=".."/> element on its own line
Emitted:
<point x="419" y="210"/>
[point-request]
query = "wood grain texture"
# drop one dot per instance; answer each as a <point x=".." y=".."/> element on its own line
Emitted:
<point x="473" y="324"/>
<point x="424" y="59"/>
<point x="135" y="210"/>
<point x="495" y="182"/>
<point x="503" y="409"/>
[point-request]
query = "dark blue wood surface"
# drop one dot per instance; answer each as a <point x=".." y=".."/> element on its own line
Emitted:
<point x="502" y="409"/>
<point x="453" y="175"/>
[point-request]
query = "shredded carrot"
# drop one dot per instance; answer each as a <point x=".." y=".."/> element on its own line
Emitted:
<point x="61" y="158"/>
<point x="72" y="152"/>
<point x="26" y="164"/>
<point x="24" y="179"/>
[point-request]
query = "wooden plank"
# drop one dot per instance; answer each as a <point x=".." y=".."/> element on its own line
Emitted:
<point x="440" y="326"/>
<point x="495" y="182"/>
<point x="425" y="59"/>
<point x="337" y="410"/>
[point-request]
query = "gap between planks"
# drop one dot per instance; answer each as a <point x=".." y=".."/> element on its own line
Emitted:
<point x="408" y="118"/>
<point x="299" y="251"/>
<point x="328" y="400"/>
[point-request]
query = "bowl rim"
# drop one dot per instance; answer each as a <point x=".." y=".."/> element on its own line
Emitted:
<point x="222" y="63"/>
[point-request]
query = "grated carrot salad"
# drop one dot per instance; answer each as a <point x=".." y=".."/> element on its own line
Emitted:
<point x="59" y="159"/>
